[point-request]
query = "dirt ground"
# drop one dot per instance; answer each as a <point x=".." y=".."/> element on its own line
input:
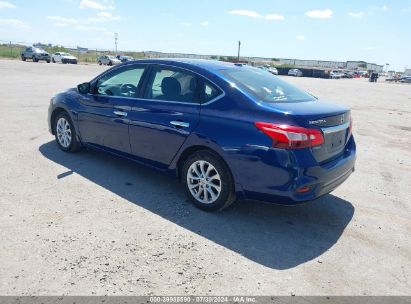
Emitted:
<point x="93" y="224"/>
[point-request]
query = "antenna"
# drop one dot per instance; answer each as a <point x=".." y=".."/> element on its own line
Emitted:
<point x="239" y="48"/>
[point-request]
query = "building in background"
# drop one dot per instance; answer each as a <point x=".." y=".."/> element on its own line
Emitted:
<point x="82" y="49"/>
<point x="42" y="45"/>
<point x="362" y="65"/>
<point x="300" y="63"/>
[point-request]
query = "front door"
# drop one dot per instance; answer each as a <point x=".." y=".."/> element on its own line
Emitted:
<point x="103" y="118"/>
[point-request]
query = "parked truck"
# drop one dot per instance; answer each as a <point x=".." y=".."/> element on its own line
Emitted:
<point x="35" y="54"/>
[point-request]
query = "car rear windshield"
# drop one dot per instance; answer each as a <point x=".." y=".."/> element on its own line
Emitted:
<point x="265" y="86"/>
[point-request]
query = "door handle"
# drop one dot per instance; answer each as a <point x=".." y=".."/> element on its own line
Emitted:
<point x="180" y="124"/>
<point x="120" y="113"/>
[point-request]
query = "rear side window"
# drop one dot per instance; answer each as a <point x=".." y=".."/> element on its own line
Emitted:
<point x="209" y="92"/>
<point x="170" y="84"/>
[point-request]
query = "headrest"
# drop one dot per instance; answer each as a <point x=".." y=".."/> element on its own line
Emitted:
<point x="193" y="84"/>
<point x="170" y="87"/>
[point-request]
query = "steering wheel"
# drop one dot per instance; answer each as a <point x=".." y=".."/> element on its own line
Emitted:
<point x="128" y="89"/>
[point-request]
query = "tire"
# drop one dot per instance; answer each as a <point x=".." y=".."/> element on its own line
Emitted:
<point x="48" y="61"/>
<point x="52" y="59"/>
<point x="211" y="187"/>
<point x="110" y="63"/>
<point x="23" y="58"/>
<point x="35" y="59"/>
<point x="100" y="63"/>
<point x="65" y="133"/>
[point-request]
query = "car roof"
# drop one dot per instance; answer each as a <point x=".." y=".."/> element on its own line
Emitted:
<point x="210" y="65"/>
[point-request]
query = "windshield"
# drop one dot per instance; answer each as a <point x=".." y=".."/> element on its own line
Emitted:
<point x="65" y="54"/>
<point x="111" y="57"/>
<point x="265" y="86"/>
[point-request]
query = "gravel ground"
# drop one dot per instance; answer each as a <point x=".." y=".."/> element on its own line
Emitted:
<point x="92" y="224"/>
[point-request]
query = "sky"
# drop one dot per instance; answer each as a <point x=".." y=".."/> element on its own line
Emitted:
<point x="374" y="31"/>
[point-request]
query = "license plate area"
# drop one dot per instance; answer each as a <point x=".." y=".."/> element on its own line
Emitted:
<point x="335" y="141"/>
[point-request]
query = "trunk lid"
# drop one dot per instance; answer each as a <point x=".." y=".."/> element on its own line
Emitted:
<point x="333" y="120"/>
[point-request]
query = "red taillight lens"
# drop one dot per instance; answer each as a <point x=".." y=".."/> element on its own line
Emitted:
<point x="291" y="137"/>
<point x="304" y="189"/>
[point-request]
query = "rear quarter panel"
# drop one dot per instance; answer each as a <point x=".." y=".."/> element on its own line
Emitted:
<point x="227" y="127"/>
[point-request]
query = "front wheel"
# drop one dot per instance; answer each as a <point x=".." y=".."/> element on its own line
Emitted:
<point x="110" y="63"/>
<point x="207" y="181"/>
<point x="65" y="133"/>
<point x="52" y="59"/>
<point x="35" y="59"/>
<point x="23" y="58"/>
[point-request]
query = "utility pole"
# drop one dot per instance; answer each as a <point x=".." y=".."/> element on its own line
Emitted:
<point x="116" y="41"/>
<point x="239" y="48"/>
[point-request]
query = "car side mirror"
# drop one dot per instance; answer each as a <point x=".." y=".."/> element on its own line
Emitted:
<point x="84" y="88"/>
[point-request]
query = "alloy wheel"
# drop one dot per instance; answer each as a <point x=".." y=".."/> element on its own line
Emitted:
<point x="204" y="182"/>
<point x="63" y="132"/>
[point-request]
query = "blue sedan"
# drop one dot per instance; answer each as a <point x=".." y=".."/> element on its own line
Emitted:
<point x="227" y="131"/>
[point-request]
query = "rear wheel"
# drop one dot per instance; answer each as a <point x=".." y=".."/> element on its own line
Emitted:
<point x="207" y="181"/>
<point x="52" y="59"/>
<point x="65" y="133"/>
<point x="35" y="59"/>
<point x="110" y="63"/>
<point x="23" y="58"/>
<point x="100" y="63"/>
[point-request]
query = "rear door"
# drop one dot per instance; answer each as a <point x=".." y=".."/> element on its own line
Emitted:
<point x="165" y="114"/>
<point x="103" y="119"/>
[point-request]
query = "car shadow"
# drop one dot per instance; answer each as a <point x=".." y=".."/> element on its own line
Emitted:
<point x="278" y="237"/>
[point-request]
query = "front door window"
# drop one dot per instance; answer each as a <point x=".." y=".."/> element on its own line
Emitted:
<point x="122" y="83"/>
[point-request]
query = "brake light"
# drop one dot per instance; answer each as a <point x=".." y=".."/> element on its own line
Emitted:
<point x="291" y="137"/>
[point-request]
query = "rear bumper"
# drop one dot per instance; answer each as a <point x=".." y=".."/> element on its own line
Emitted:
<point x="42" y="57"/>
<point x="277" y="175"/>
<point x="71" y="61"/>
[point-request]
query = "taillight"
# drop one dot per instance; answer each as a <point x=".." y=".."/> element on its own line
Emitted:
<point x="291" y="137"/>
